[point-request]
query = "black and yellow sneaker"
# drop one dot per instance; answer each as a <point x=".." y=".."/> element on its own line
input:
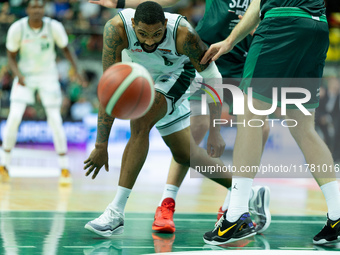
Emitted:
<point x="329" y="234"/>
<point x="226" y="232"/>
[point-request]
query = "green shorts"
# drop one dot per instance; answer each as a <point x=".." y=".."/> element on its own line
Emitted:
<point x="287" y="51"/>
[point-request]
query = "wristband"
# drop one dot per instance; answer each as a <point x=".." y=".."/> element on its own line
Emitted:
<point x="120" y="4"/>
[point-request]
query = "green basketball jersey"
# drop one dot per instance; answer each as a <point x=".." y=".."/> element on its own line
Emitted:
<point x="314" y="7"/>
<point x="220" y="17"/>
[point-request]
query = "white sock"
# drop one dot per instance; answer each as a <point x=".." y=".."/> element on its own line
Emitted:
<point x="6" y="159"/>
<point x="239" y="198"/>
<point x="63" y="162"/>
<point x="169" y="191"/>
<point x="331" y="192"/>
<point x="120" y="199"/>
<point x="226" y="200"/>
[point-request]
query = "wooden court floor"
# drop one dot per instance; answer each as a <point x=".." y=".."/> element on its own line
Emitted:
<point x="39" y="217"/>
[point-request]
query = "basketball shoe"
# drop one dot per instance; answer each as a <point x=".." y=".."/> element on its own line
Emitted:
<point x="4" y="174"/>
<point x="164" y="217"/>
<point x="258" y="207"/>
<point x="226" y="232"/>
<point x="65" y="178"/>
<point x="109" y="223"/>
<point x="329" y="234"/>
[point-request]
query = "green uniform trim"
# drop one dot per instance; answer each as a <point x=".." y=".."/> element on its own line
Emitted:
<point x="292" y="12"/>
<point x="187" y="115"/>
<point x="175" y="32"/>
<point x="125" y="27"/>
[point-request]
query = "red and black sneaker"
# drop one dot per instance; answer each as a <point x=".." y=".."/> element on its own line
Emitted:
<point x="164" y="217"/>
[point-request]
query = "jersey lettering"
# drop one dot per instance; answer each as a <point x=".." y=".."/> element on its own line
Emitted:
<point x="232" y="4"/>
<point x="239" y="4"/>
<point x="44" y="46"/>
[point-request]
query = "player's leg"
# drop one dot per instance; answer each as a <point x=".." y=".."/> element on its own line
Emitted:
<point x="16" y="112"/>
<point x="314" y="149"/>
<point x="317" y="153"/>
<point x="50" y="94"/>
<point x="249" y="141"/>
<point x="55" y="122"/>
<point x="111" y="222"/>
<point x="199" y="126"/>
<point x="259" y="194"/>
<point x="163" y="220"/>
<point x="20" y="97"/>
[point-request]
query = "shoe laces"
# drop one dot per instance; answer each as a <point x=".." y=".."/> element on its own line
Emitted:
<point x="167" y="210"/>
<point x="106" y="216"/>
<point x="219" y="222"/>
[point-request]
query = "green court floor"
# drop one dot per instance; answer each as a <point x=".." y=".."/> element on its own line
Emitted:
<point x="63" y="233"/>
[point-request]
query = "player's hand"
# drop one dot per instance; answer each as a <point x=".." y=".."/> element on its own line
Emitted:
<point x="215" y="144"/>
<point x="21" y="81"/>
<point x="96" y="160"/>
<point x="215" y="51"/>
<point x="105" y="3"/>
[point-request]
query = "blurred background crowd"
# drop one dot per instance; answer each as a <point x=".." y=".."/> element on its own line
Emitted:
<point x="84" y="23"/>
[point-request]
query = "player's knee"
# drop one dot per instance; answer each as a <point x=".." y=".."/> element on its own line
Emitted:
<point x="53" y="116"/>
<point x="302" y="134"/>
<point x="182" y="158"/>
<point x="140" y="127"/>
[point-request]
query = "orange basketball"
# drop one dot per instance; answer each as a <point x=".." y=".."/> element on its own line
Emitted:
<point x="126" y="90"/>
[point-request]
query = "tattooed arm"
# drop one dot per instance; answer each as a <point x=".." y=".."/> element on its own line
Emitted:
<point x="114" y="41"/>
<point x="190" y="44"/>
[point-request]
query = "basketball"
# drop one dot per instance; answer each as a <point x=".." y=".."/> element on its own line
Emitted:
<point x="126" y="90"/>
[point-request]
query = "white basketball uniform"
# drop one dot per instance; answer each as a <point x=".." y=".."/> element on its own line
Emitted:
<point x="171" y="72"/>
<point x="37" y="63"/>
<point x="37" y="60"/>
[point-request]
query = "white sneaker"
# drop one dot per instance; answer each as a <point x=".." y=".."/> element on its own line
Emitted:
<point x="259" y="208"/>
<point x="109" y="223"/>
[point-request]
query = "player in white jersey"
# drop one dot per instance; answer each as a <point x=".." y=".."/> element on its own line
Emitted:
<point x="168" y="46"/>
<point x="34" y="38"/>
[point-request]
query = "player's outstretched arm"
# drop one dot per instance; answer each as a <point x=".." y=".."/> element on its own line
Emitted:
<point x="114" y="41"/>
<point x="190" y="44"/>
<point x="130" y="3"/>
<point x="248" y="23"/>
